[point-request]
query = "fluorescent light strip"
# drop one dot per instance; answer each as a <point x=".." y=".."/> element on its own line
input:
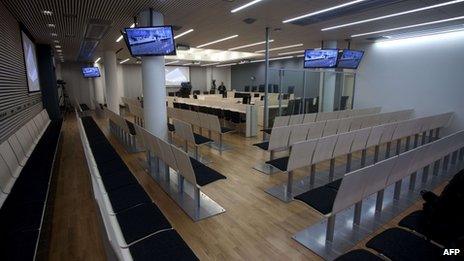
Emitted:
<point x="393" y="15"/>
<point x="322" y="11"/>
<point x="120" y="37"/>
<point x="281" y="48"/>
<point x="98" y="59"/>
<point x="187" y="32"/>
<point x="124" y="61"/>
<point x="426" y="38"/>
<point x="187" y="64"/>
<point x="218" y="41"/>
<point x="409" y="26"/>
<point x="250" y="45"/>
<point x="227" y="64"/>
<point x="209" y="64"/>
<point x="301" y="55"/>
<point x="245" y="6"/>
<point x="419" y="35"/>
<point x="294" y="52"/>
<point x="173" y="62"/>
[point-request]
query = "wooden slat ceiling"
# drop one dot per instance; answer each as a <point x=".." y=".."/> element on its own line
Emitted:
<point x="211" y="20"/>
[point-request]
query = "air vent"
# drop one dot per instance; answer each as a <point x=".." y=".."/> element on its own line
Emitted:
<point x="176" y="27"/>
<point x="86" y="50"/>
<point x="249" y="20"/>
<point x="97" y="28"/>
<point x="183" y="47"/>
<point x="377" y="38"/>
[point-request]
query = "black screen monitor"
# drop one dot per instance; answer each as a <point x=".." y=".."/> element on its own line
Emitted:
<point x="349" y="59"/>
<point x="150" y="41"/>
<point x="91" y="72"/>
<point x="321" y="58"/>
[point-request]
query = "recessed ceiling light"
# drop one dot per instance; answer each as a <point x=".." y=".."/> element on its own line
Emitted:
<point x="250" y="45"/>
<point x="410" y="26"/>
<point x="56" y="41"/>
<point x="53" y="34"/>
<point x="173" y="62"/>
<point x="51" y="25"/>
<point x="392" y="15"/>
<point x="293" y="52"/>
<point x="322" y="11"/>
<point x="47" y="12"/>
<point x="281" y="48"/>
<point x="245" y="6"/>
<point x="218" y="41"/>
<point x="123" y="61"/>
<point x="58" y="46"/>
<point x="98" y="59"/>
<point x="187" y="32"/>
<point x="59" y="50"/>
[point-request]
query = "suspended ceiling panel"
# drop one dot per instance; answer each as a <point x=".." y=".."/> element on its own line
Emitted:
<point x="211" y="20"/>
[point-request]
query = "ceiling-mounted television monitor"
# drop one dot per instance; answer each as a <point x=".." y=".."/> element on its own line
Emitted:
<point x="320" y="58"/>
<point x="150" y="41"/>
<point x="349" y="59"/>
<point x="90" y="72"/>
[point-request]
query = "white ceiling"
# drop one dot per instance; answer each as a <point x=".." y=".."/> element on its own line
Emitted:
<point x="211" y="20"/>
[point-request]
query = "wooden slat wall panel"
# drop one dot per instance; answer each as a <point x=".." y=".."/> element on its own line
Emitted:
<point x="17" y="106"/>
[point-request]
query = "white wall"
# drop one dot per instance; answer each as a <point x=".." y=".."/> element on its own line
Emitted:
<point x="221" y="74"/>
<point x="200" y="77"/>
<point x="132" y="80"/>
<point x="425" y="73"/>
<point x="77" y="87"/>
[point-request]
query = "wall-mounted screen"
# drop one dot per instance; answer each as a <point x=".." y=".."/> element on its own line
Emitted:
<point x="30" y="58"/>
<point x="91" y="72"/>
<point x="150" y="41"/>
<point x="175" y="75"/>
<point x="320" y="58"/>
<point x="349" y="59"/>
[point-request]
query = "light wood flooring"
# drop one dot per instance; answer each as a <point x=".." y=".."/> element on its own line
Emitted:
<point x="255" y="226"/>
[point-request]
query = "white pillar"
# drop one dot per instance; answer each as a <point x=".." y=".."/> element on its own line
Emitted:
<point x="329" y="81"/>
<point x="153" y="83"/>
<point x="111" y="81"/>
<point x="98" y="86"/>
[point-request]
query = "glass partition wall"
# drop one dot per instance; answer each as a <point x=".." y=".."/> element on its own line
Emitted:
<point x="295" y="91"/>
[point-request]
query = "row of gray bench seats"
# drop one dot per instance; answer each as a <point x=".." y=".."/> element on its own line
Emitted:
<point x="146" y="233"/>
<point x="439" y="222"/>
<point x="27" y="176"/>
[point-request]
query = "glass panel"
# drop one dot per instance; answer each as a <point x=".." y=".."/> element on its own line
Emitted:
<point x="293" y="91"/>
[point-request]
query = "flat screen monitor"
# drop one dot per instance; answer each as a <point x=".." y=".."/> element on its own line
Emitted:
<point x="322" y="58"/>
<point x="30" y="58"/>
<point x="349" y="59"/>
<point x="91" y="72"/>
<point x="150" y="41"/>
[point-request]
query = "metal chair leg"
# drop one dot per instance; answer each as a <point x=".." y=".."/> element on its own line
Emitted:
<point x="357" y="213"/>
<point x="329" y="234"/>
<point x="348" y="162"/>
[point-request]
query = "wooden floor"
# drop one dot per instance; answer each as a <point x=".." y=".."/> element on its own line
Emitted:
<point x="255" y="226"/>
